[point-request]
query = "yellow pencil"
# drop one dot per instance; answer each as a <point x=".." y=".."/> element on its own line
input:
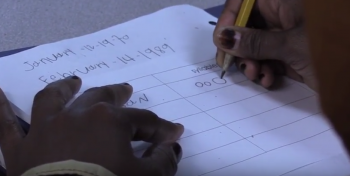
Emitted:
<point x="241" y="21"/>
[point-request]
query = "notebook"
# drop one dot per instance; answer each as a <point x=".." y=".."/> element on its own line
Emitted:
<point x="232" y="125"/>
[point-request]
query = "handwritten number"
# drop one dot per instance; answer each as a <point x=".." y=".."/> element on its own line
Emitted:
<point x="210" y="83"/>
<point x="202" y="84"/>
<point x="125" y="59"/>
<point x="105" y="42"/>
<point x="149" y="51"/>
<point x="219" y="81"/>
<point x="199" y="84"/>
<point x="121" y="39"/>
<point x="157" y="48"/>
<point x="166" y="46"/>
<point x="88" y="47"/>
<point x="53" y="58"/>
<point x="144" y="55"/>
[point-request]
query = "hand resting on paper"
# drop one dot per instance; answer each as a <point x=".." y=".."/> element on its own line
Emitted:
<point x="276" y="46"/>
<point x="93" y="129"/>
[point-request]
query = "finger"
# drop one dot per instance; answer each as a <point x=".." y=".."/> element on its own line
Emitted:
<point x="11" y="132"/>
<point x="263" y="72"/>
<point x="161" y="159"/>
<point x="251" y="43"/>
<point x="227" y="18"/>
<point x="116" y="94"/>
<point x="287" y="70"/>
<point x="277" y="69"/>
<point x="266" y="76"/>
<point x="54" y="97"/>
<point x="249" y="68"/>
<point x="147" y="126"/>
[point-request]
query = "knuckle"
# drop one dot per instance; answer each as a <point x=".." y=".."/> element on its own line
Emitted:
<point x="108" y="91"/>
<point x="11" y="122"/>
<point x="121" y="118"/>
<point x="152" y="116"/>
<point x="104" y="108"/>
<point x="252" y="43"/>
<point x="52" y="92"/>
<point x="104" y="91"/>
<point x="7" y="117"/>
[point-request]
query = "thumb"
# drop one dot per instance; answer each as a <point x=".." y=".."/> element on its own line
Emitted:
<point x="161" y="159"/>
<point x="251" y="43"/>
<point x="11" y="132"/>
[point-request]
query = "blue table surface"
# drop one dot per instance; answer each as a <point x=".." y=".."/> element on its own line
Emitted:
<point x="215" y="11"/>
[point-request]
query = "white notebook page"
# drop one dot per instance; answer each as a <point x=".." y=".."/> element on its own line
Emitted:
<point x="232" y="126"/>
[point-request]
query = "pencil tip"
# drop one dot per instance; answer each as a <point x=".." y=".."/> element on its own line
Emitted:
<point x="222" y="74"/>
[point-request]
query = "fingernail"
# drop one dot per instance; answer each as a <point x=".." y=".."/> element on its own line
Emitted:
<point x="180" y="125"/>
<point x="261" y="76"/>
<point x="242" y="67"/>
<point x="212" y="23"/>
<point x="72" y="77"/>
<point x="75" y="77"/>
<point x="227" y="38"/>
<point x="179" y="131"/>
<point x="178" y="151"/>
<point x="126" y="84"/>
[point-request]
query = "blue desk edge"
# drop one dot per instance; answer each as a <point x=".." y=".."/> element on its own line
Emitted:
<point x="215" y="11"/>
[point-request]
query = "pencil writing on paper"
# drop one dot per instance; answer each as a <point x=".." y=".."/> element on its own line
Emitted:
<point x="232" y="125"/>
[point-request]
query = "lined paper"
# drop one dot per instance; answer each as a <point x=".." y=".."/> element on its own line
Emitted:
<point x="232" y="125"/>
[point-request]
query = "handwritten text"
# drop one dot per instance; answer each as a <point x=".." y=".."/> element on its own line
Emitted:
<point x="204" y="68"/>
<point x="48" y="60"/>
<point x="137" y="100"/>
<point x="213" y="81"/>
<point x="106" y="42"/>
<point x="76" y="72"/>
<point x="148" y="53"/>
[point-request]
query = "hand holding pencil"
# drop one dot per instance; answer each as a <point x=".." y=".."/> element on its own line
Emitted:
<point x="241" y="21"/>
<point x="271" y="45"/>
